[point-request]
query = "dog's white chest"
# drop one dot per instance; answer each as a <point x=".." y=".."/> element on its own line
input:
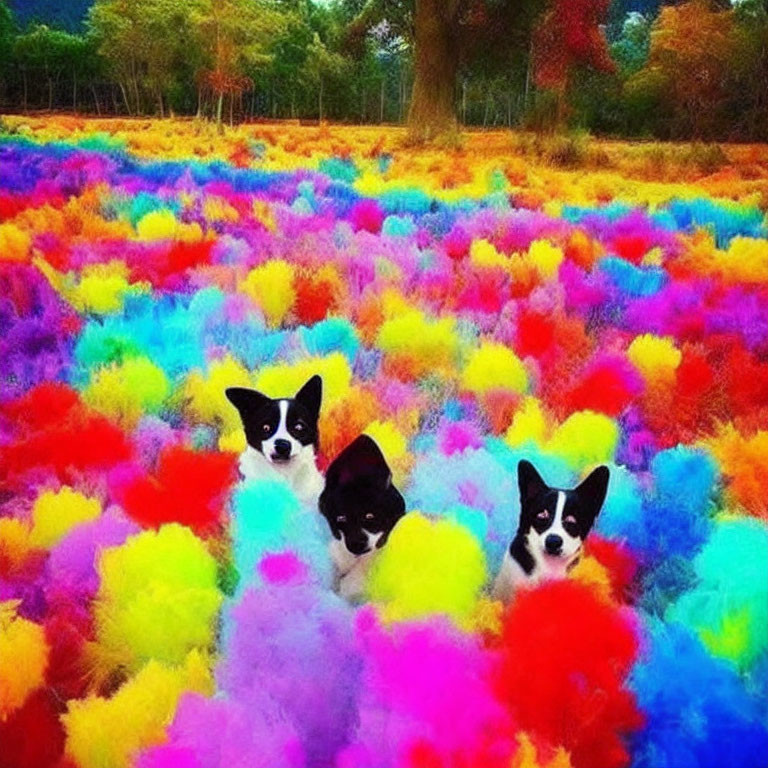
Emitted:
<point x="510" y="577"/>
<point x="301" y="474"/>
<point x="352" y="570"/>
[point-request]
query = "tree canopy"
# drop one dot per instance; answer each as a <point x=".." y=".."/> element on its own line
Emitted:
<point x="697" y="68"/>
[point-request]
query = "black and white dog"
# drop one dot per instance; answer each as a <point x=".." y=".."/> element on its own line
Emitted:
<point x="553" y="526"/>
<point x="362" y="507"/>
<point x="282" y="436"/>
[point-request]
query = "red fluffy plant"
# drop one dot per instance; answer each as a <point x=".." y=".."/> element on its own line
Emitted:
<point x="618" y="561"/>
<point x="317" y="294"/>
<point x="607" y="385"/>
<point x="632" y="248"/>
<point x="55" y="434"/>
<point x="535" y="333"/>
<point x="67" y="631"/>
<point x="699" y="400"/>
<point x="164" y="265"/>
<point x="747" y="385"/>
<point x="188" y="487"/>
<point x="564" y="655"/>
<point x="32" y="736"/>
<point x="46" y="403"/>
<point x="10" y="205"/>
<point x="558" y="359"/>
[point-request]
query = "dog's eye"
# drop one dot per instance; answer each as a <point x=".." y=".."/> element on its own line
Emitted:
<point x="570" y="519"/>
<point x="266" y="429"/>
<point x="369" y="515"/>
<point x="341" y="519"/>
<point x="299" y="426"/>
<point x="543" y="515"/>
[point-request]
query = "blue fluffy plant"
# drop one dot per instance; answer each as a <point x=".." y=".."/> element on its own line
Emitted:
<point x="698" y="713"/>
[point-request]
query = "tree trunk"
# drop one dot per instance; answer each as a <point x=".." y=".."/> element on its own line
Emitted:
<point x="96" y="100"/>
<point x="219" y="108"/>
<point x="381" y="102"/>
<point x="320" y="103"/>
<point x="125" y="99"/>
<point x="561" y="115"/>
<point x="136" y="94"/>
<point x="24" y="75"/>
<point x="432" y="110"/>
<point x="74" y="92"/>
<point x="50" y="94"/>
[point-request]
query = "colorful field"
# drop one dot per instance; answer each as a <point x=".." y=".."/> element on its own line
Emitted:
<point x="467" y="308"/>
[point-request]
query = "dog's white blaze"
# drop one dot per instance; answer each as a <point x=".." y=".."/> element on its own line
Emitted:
<point x="557" y="525"/>
<point x="282" y="433"/>
<point x="553" y="566"/>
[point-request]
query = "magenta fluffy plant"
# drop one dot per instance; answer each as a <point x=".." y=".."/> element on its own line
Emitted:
<point x="225" y="733"/>
<point x="457" y="436"/>
<point x="426" y="699"/>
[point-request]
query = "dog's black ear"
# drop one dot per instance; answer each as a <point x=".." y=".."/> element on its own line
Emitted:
<point x="247" y="401"/>
<point x="529" y="481"/>
<point x="311" y="396"/>
<point x="325" y="510"/>
<point x="362" y="459"/>
<point x="592" y="490"/>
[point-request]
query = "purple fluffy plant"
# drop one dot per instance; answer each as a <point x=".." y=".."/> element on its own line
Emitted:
<point x="71" y="566"/>
<point x="35" y="330"/>
<point x="293" y="642"/>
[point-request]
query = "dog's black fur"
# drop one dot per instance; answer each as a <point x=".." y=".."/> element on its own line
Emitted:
<point x="359" y="501"/>
<point x="261" y="415"/>
<point x="553" y="525"/>
<point x="282" y="436"/>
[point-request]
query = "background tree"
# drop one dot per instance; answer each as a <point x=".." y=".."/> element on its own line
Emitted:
<point x="448" y="35"/>
<point x="690" y="49"/>
<point x="568" y="36"/>
<point x="683" y="69"/>
<point x="120" y="30"/>
<point x="321" y="66"/>
<point x="235" y="37"/>
<point x="7" y="32"/>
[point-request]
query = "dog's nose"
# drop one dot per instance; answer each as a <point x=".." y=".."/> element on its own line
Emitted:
<point x="282" y="448"/>
<point x="553" y="544"/>
<point x="357" y="545"/>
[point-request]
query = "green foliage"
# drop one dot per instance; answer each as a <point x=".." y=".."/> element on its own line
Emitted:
<point x="6" y="38"/>
<point x="689" y="70"/>
<point x="630" y="51"/>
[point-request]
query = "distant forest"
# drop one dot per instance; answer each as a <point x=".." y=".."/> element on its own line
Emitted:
<point x="630" y="68"/>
